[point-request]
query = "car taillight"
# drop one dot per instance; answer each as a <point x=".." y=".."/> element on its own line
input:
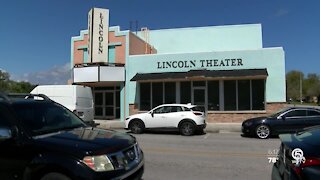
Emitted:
<point x="197" y="113"/>
<point x="310" y="161"/>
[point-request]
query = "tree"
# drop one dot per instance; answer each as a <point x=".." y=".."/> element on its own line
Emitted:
<point x="4" y="75"/>
<point x="293" y="79"/>
<point x="9" y="86"/>
<point x="4" y="80"/>
<point x="311" y="85"/>
<point x="20" y="87"/>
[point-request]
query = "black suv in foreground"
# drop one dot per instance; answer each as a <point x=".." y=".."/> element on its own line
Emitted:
<point x="43" y="140"/>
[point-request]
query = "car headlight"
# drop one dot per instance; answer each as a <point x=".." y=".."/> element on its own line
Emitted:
<point x="248" y="123"/>
<point x="98" y="163"/>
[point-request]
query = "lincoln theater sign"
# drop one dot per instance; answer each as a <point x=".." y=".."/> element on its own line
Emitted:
<point x="98" y="28"/>
<point x="200" y="63"/>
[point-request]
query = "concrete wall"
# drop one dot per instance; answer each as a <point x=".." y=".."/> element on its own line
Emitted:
<point x="205" y="39"/>
<point x="237" y="117"/>
<point x="76" y="43"/>
<point x="139" y="46"/>
<point x="120" y="48"/>
<point x="116" y="39"/>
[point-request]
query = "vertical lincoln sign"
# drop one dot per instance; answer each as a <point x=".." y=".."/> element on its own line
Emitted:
<point x="98" y="27"/>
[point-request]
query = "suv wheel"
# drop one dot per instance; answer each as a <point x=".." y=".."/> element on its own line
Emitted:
<point x="187" y="128"/>
<point x="55" y="176"/>
<point x="136" y="127"/>
<point x="263" y="131"/>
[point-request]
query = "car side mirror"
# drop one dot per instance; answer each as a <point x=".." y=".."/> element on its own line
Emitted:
<point x="5" y="134"/>
<point x="152" y="113"/>
<point x="282" y="118"/>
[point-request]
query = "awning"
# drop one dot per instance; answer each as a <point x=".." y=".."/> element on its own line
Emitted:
<point x="201" y="73"/>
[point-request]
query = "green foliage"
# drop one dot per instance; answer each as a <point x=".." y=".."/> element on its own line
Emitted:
<point x="4" y="81"/>
<point x="310" y="85"/>
<point x="9" y="86"/>
<point x="20" y="87"/>
<point x="293" y="84"/>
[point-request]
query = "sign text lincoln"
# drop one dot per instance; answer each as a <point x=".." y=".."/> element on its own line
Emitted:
<point x="200" y="63"/>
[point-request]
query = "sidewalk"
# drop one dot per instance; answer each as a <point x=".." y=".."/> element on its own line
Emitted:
<point x="211" y="127"/>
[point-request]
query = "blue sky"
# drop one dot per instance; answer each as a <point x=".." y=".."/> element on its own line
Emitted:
<point x="35" y="34"/>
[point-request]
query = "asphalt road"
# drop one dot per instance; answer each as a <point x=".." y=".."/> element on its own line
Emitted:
<point x="169" y="156"/>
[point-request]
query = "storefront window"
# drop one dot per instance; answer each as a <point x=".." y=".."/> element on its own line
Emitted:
<point x="145" y="96"/>
<point x="162" y="92"/>
<point x="244" y="95"/>
<point x="230" y="99"/>
<point x="199" y="83"/>
<point x="117" y="104"/>
<point x="170" y="92"/>
<point x="98" y="101"/>
<point x="258" y="94"/>
<point x="85" y="55"/>
<point x="185" y="92"/>
<point x="213" y="95"/>
<point x="157" y="94"/>
<point x="98" y="98"/>
<point x="238" y="95"/>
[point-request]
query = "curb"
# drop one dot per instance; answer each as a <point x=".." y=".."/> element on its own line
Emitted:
<point x="211" y="127"/>
<point x="112" y="124"/>
<point x="223" y="127"/>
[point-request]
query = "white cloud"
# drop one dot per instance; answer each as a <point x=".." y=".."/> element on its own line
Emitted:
<point x="281" y="12"/>
<point x="58" y="74"/>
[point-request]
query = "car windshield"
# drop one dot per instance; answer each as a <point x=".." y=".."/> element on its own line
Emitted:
<point x="276" y="114"/>
<point x="46" y="118"/>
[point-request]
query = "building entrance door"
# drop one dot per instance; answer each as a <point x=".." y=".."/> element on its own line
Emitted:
<point x="107" y="103"/>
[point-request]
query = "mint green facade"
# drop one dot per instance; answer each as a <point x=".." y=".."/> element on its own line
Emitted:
<point x="270" y="58"/>
<point x="206" y="39"/>
<point x="210" y="43"/>
<point x="111" y="54"/>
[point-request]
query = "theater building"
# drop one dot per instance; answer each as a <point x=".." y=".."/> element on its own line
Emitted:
<point x="225" y="69"/>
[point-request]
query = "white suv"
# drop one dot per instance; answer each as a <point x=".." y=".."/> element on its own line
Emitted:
<point x="187" y="118"/>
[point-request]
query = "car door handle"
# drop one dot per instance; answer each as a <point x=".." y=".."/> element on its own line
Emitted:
<point x="162" y="116"/>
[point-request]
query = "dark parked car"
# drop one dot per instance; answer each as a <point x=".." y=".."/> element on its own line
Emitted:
<point x="41" y="139"/>
<point x="288" y="120"/>
<point x="303" y="145"/>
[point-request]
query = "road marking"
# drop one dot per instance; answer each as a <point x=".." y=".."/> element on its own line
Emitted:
<point x="206" y="136"/>
<point x="175" y="151"/>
